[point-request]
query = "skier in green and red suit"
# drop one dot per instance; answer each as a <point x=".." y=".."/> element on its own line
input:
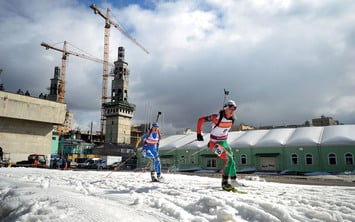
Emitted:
<point x="221" y="124"/>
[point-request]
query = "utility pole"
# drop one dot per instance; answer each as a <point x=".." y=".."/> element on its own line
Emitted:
<point x="91" y="132"/>
<point x="1" y="85"/>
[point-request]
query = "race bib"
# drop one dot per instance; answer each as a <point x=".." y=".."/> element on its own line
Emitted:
<point x="218" y="150"/>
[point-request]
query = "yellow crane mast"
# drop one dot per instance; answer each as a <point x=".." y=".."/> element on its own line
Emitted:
<point x="64" y="61"/>
<point x="65" y="52"/>
<point x="108" y="23"/>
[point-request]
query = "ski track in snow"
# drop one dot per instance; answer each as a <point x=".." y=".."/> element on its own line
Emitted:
<point x="53" y="195"/>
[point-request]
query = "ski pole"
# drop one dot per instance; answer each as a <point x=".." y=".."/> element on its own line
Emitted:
<point x="159" y="113"/>
<point x="226" y="93"/>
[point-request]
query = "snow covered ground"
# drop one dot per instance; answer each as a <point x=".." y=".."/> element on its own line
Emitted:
<point x="29" y="194"/>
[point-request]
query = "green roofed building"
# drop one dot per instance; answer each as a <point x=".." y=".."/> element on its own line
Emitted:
<point x="293" y="150"/>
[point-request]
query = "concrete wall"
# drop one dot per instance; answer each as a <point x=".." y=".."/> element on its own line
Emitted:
<point x="26" y="124"/>
<point x="30" y="108"/>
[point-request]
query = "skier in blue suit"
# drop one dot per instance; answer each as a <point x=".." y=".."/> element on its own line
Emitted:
<point x="151" y="150"/>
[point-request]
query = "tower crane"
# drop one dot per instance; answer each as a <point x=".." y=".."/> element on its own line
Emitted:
<point x="61" y="91"/>
<point x="108" y="23"/>
<point x="64" y="61"/>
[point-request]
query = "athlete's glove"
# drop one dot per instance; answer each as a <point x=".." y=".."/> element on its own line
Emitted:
<point x="199" y="137"/>
<point x="144" y="151"/>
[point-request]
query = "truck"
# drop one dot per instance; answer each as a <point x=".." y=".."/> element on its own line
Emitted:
<point x="33" y="160"/>
<point x="104" y="162"/>
<point x="108" y="161"/>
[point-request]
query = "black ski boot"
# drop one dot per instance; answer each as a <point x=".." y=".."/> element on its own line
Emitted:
<point x="152" y="175"/>
<point x="225" y="185"/>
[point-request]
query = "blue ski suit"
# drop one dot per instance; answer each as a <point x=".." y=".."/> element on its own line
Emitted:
<point x="151" y="149"/>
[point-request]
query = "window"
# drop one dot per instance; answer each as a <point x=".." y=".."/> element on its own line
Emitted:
<point x="42" y="159"/>
<point x="309" y="159"/>
<point x="294" y="159"/>
<point x="243" y="159"/>
<point x="182" y="159"/>
<point x="349" y="161"/>
<point x="332" y="159"/>
<point x="192" y="159"/>
<point x="211" y="163"/>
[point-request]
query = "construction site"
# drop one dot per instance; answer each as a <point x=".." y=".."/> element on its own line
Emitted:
<point x="43" y="124"/>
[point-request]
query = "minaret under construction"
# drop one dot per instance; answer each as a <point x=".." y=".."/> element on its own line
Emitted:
<point x="119" y="112"/>
<point x="55" y="85"/>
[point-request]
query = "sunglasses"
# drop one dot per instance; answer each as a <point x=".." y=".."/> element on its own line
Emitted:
<point x="232" y="107"/>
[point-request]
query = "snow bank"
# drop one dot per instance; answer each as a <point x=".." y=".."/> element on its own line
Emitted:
<point x="54" y="195"/>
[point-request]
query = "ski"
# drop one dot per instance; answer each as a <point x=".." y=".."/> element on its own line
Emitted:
<point x="154" y="179"/>
<point x="282" y="193"/>
<point x="159" y="181"/>
<point x="235" y="190"/>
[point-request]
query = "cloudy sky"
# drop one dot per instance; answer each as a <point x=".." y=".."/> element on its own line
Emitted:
<point x="283" y="61"/>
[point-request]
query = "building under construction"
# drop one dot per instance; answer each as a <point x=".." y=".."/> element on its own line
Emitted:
<point x="118" y="112"/>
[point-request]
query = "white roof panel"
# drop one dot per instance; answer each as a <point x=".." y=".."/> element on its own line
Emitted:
<point x="203" y="144"/>
<point x="234" y="135"/>
<point x="179" y="142"/>
<point x="199" y="144"/>
<point x="249" y="138"/>
<point x="167" y="141"/>
<point x="305" y="136"/>
<point x="339" y="134"/>
<point x="275" y="138"/>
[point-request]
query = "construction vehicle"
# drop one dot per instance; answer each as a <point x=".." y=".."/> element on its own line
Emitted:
<point x="108" y="23"/>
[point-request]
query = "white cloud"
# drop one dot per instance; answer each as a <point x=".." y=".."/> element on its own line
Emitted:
<point x="267" y="53"/>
